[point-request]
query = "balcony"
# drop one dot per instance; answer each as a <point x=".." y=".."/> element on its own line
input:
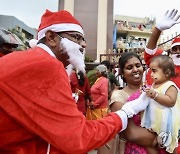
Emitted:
<point x="122" y="27"/>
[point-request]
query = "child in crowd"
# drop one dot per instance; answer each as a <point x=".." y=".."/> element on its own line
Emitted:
<point x="162" y="115"/>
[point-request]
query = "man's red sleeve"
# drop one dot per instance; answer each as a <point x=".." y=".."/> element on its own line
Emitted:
<point x="147" y="58"/>
<point x="151" y="54"/>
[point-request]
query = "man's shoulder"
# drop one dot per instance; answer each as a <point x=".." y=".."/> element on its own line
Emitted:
<point x="37" y="54"/>
<point x="20" y="60"/>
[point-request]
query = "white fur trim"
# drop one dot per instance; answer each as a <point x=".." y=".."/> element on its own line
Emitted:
<point x="123" y="117"/>
<point x="60" y="28"/>
<point x="33" y="43"/>
<point x="174" y="44"/>
<point x="46" y="48"/>
<point x="149" y="51"/>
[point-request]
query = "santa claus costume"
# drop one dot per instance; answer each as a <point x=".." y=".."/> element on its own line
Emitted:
<point x="37" y="112"/>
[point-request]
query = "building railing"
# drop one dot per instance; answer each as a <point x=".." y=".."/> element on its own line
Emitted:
<point x="112" y="57"/>
<point x="130" y="43"/>
<point x="161" y="44"/>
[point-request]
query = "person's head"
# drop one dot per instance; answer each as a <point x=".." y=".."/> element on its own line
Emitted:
<point x="7" y="48"/>
<point x="81" y="78"/>
<point x="131" y="68"/>
<point x="64" y="35"/>
<point x="175" y="51"/>
<point x="8" y="42"/>
<point x="101" y="70"/>
<point x="162" y="68"/>
<point x="106" y="63"/>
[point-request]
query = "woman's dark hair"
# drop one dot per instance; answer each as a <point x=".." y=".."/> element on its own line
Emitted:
<point x="123" y="60"/>
<point x="81" y="78"/>
<point x="166" y="64"/>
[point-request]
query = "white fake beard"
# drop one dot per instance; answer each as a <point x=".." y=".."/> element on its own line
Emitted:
<point x="175" y="59"/>
<point x="76" y="57"/>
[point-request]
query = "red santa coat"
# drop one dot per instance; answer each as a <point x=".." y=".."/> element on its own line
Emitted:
<point x="1" y="55"/>
<point x="37" y="108"/>
<point x="147" y="58"/>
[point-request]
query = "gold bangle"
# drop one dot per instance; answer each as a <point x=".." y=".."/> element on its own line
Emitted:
<point x="156" y="95"/>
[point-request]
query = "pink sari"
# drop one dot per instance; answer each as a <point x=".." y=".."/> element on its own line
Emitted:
<point x="132" y="148"/>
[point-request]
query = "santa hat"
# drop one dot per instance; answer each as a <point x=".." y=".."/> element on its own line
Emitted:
<point x="60" y="21"/>
<point x="175" y="42"/>
<point x="33" y="43"/>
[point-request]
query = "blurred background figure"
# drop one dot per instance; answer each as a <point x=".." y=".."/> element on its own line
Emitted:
<point x="119" y="78"/>
<point x="80" y="86"/>
<point x="9" y="42"/>
<point x="99" y="92"/>
<point x="114" y="84"/>
<point x="92" y="77"/>
<point x="98" y="108"/>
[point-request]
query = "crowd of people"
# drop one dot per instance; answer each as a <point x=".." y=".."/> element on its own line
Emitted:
<point x="47" y="104"/>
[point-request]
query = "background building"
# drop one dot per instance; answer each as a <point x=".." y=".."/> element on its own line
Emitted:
<point x="96" y="17"/>
<point x="24" y="32"/>
<point x="132" y="33"/>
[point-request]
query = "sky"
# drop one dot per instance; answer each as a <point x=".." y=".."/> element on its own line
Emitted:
<point x="30" y="11"/>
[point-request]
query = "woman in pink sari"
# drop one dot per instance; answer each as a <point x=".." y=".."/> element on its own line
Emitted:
<point x="134" y="139"/>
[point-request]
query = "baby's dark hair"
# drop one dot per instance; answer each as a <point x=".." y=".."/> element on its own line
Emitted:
<point x="166" y="64"/>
